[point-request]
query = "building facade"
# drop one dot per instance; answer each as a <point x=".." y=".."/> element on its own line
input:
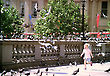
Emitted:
<point x="101" y="7"/>
<point x="30" y="11"/>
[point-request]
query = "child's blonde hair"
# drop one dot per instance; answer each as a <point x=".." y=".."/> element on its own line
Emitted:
<point x="86" y="44"/>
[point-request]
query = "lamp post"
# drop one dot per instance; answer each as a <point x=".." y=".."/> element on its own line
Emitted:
<point x="83" y="7"/>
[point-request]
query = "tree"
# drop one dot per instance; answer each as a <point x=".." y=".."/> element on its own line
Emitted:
<point x="60" y="16"/>
<point x="10" y="21"/>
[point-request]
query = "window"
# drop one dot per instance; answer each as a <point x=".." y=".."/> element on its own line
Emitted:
<point x="22" y="9"/>
<point x="104" y="9"/>
<point x="34" y="9"/>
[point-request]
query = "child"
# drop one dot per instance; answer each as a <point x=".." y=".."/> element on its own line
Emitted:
<point x="87" y="55"/>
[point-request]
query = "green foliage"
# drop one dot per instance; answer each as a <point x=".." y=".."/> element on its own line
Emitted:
<point x="109" y="26"/>
<point x="64" y="17"/>
<point x="10" y="20"/>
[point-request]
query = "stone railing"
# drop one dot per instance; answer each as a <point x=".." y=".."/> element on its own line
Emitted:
<point x="31" y="53"/>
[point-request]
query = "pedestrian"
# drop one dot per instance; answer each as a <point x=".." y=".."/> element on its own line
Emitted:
<point x="87" y="55"/>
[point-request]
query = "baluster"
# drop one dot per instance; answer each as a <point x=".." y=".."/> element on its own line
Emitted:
<point x="27" y="50"/>
<point x="21" y="60"/>
<point x="33" y="58"/>
<point x="26" y="58"/>
<point x="19" y="49"/>
<point x="29" y="59"/>
<point x="15" y="49"/>
<point x="33" y="48"/>
<point x="31" y="51"/>
<point x="70" y="48"/>
<point x="24" y="49"/>
<point x="65" y="48"/>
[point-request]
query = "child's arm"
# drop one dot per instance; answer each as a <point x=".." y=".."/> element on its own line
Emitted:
<point x="82" y="53"/>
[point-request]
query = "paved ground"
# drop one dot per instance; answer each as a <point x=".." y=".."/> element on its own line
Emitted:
<point x="95" y="70"/>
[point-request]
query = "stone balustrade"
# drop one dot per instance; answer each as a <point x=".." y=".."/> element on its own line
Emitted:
<point x="32" y="53"/>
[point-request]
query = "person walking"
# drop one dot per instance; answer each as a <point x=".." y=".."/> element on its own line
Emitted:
<point x="87" y="55"/>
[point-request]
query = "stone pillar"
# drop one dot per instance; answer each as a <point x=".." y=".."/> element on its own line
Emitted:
<point x="17" y="3"/>
<point x="103" y="48"/>
<point x="94" y="15"/>
<point x="89" y="12"/>
<point x="62" y="52"/>
<point x="37" y="52"/>
<point x="108" y="10"/>
<point x="5" y="53"/>
<point x="26" y="11"/>
<point x="93" y="10"/>
<point x="45" y="3"/>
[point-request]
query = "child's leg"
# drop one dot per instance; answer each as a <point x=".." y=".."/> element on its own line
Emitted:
<point x="85" y="63"/>
<point x="89" y="61"/>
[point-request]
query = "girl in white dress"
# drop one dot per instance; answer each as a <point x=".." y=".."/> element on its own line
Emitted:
<point x="87" y="55"/>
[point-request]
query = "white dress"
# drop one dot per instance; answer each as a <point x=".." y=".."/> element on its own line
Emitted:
<point x="87" y="53"/>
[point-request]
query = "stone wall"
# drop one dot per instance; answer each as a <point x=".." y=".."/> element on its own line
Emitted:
<point x="16" y="54"/>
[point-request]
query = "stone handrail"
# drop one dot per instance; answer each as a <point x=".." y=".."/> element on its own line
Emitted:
<point x="26" y="53"/>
